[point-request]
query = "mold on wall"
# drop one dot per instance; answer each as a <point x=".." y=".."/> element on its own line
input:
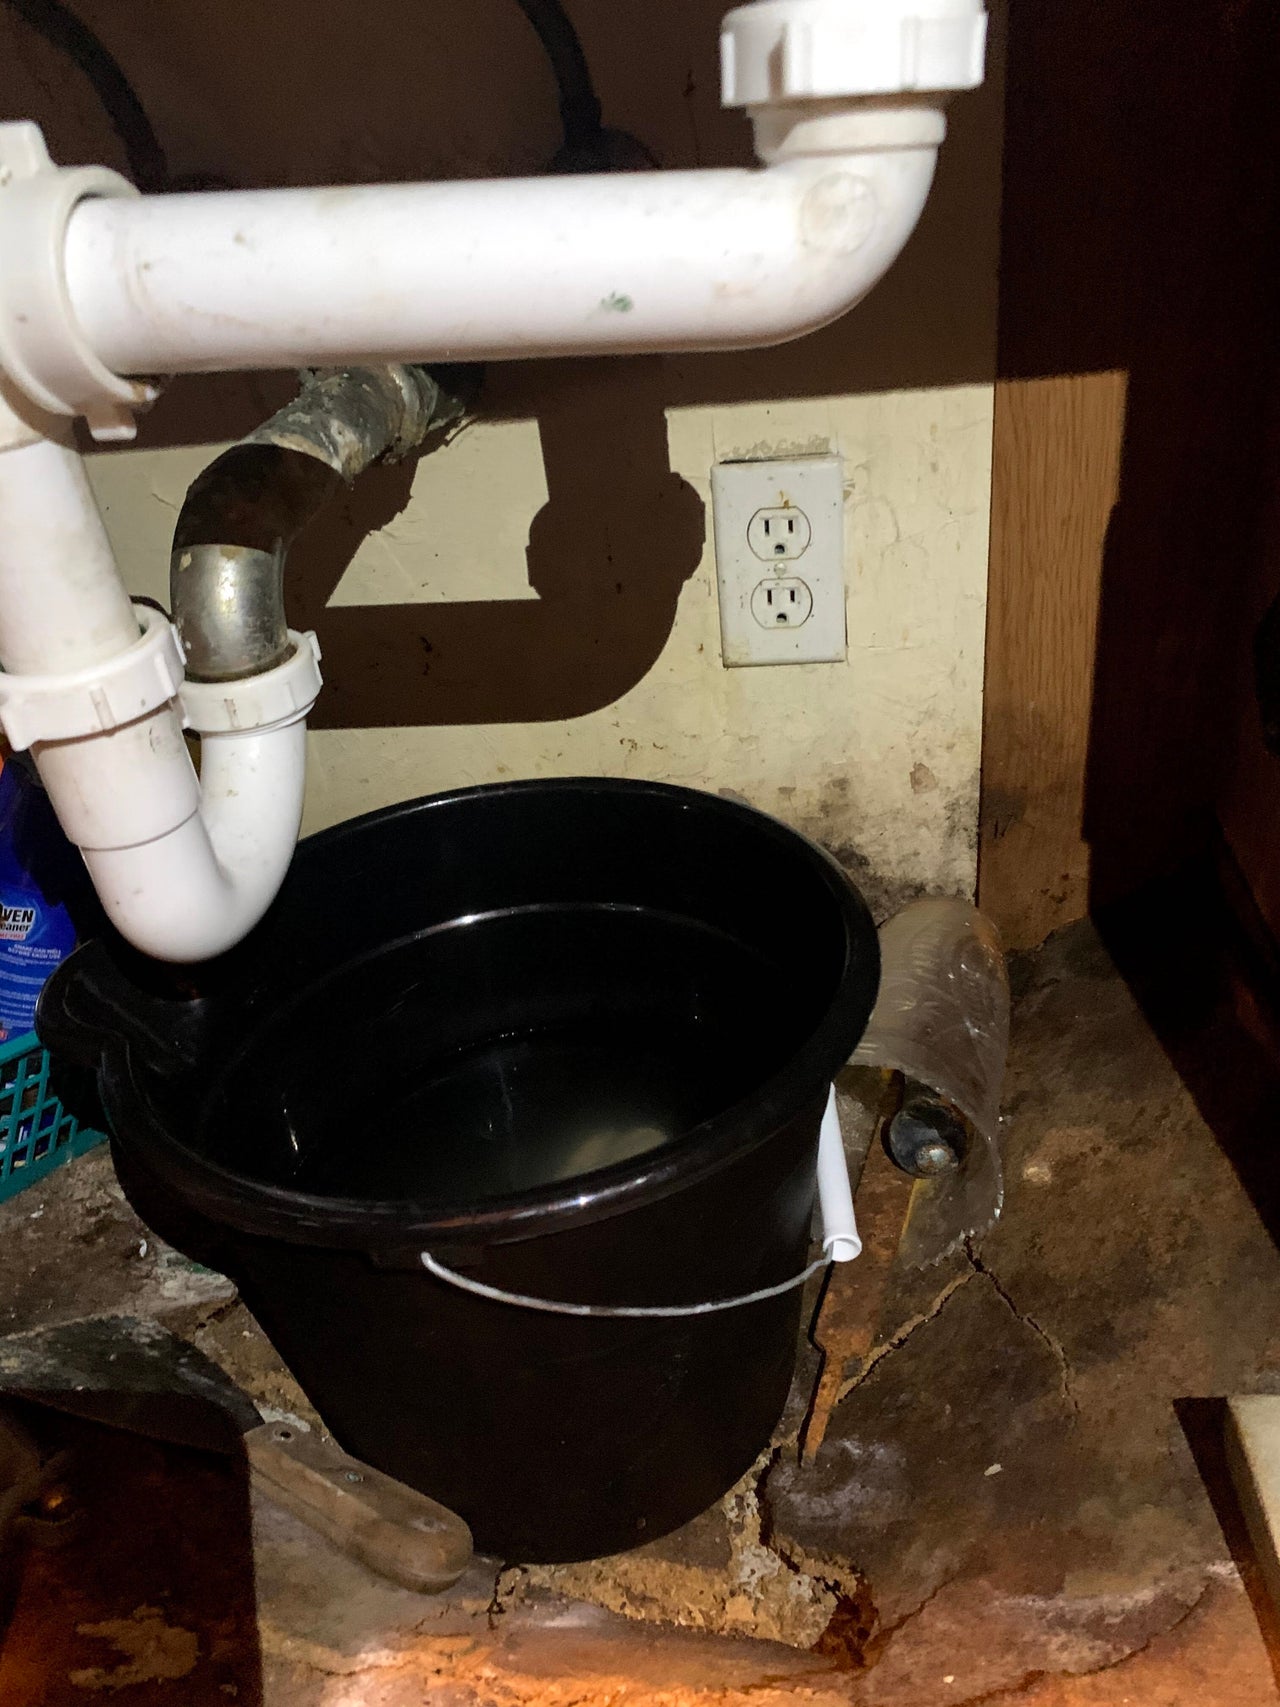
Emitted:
<point x="538" y="596"/>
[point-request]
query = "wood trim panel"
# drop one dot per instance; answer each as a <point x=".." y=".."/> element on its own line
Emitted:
<point x="1055" y="476"/>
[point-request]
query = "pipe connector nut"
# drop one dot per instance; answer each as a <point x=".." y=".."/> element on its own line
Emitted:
<point x="254" y="704"/>
<point x="103" y="697"/>
<point x="43" y="351"/>
<point x="780" y="51"/>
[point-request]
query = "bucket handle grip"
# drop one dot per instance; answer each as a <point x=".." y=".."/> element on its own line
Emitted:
<point x="840" y="1243"/>
<point x="560" y="1307"/>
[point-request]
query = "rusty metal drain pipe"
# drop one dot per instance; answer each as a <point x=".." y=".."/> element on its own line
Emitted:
<point x="226" y="572"/>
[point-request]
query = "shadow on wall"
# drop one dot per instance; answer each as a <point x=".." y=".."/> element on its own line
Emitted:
<point x="460" y="89"/>
<point x="614" y="509"/>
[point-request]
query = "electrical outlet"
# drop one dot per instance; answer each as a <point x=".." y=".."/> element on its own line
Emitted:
<point x="782" y="601"/>
<point x="779" y="535"/>
<point x="779" y="532"/>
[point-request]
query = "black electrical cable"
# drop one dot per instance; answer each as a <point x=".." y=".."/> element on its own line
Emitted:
<point x="580" y="111"/>
<point x="588" y="145"/>
<point x="63" y="30"/>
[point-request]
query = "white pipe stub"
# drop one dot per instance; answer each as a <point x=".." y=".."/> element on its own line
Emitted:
<point x="811" y="50"/>
<point x="840" y="1238"/>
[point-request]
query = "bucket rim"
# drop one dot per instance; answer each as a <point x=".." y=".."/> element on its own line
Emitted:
<point x="246" y="1205"/>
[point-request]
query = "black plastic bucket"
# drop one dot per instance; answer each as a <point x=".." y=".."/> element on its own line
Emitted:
<point x="571" y="1038"/>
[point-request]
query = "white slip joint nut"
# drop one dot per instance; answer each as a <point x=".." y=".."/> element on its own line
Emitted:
<point x="255" y="704"/>
<point x="98" y="699"/>
<point x="42" y="349"/>
<point x="799" y="50"/>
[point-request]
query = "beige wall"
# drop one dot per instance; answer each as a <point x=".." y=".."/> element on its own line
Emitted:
<point x="538" y="597"/>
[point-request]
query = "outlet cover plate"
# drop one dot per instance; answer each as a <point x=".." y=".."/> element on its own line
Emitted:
<point x="750" y="503"/>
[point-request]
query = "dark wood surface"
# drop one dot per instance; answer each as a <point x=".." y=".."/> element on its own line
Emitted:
<point x="1137" y="364"/>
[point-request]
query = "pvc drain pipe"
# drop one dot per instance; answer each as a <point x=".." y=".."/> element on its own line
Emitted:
<point x="503" y="269"/>
<point x="846" y="98"/>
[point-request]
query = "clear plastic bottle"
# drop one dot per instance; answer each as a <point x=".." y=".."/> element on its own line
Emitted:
<point x="942" y="1021"/>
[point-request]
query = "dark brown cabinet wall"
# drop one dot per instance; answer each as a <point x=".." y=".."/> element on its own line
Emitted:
<point x="1136" y="528"/>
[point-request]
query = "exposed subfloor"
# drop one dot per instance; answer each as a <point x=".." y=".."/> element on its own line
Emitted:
<point x="1021" y="1498"/>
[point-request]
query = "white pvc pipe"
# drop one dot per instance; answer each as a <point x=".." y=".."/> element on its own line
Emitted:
<point x="184" y="866"/>
<point x="200" y="889"/>
<point x="840" y="1238"/>
<point x="63" y="606"/>
<point x="499" y="269"/>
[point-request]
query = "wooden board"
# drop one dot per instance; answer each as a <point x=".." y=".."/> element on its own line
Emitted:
<point x="1056" y="469"/>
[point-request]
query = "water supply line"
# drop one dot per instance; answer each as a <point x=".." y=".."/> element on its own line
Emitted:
<point x="102" y="289"/>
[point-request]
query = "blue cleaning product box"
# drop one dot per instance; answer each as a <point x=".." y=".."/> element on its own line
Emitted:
<point x="37" y="878"/>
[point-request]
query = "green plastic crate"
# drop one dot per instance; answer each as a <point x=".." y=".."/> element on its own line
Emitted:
<point x="37" y="1133"/>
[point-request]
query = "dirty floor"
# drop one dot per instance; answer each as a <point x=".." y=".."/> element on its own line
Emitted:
<point x="1020" y="1497"/>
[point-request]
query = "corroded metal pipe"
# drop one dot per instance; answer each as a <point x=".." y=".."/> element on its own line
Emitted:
<point x="226" y="572"/>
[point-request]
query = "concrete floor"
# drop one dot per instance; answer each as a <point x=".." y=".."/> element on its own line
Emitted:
<point x="1020" y="1500"/>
